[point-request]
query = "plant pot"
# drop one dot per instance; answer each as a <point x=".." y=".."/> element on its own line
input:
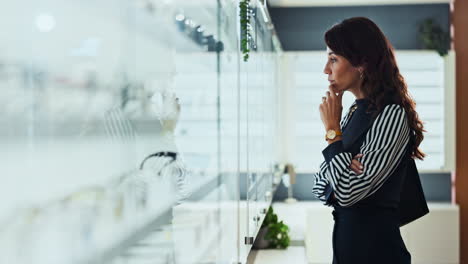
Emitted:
<point x="260" y="241"/>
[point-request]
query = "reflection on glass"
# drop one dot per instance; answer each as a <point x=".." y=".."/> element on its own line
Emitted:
<point x="126" y="127"/>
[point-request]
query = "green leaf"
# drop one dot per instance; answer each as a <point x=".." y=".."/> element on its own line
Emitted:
<point x="433" y="37"/>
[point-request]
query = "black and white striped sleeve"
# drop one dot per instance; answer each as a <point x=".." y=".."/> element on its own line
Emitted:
<point x="383" y="147"/>
<point x="322" y="188"/>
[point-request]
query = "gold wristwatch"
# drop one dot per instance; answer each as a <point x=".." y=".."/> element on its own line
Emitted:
<point x="332" y="134"/>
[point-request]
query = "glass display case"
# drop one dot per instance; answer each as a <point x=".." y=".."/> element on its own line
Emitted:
<point x="126" y="127"/>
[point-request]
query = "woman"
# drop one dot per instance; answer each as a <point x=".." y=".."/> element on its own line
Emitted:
<point x="368" y="152"/>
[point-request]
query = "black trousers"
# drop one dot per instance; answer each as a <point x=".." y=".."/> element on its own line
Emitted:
<point x="368" y="235"/>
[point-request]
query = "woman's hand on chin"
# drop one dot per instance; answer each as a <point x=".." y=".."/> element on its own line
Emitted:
<point x="331" y="109"/>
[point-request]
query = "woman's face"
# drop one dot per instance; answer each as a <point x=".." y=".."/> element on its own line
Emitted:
<point x="341" y="74"/>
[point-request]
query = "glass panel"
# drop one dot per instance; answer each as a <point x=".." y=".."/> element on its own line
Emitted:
<point x="259" y="120"/>
<point x="69" y="139"/>
<point x="229" y="247"/>
<point x="126" y="127"/>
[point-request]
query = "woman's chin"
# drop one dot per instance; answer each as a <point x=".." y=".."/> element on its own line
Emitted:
<point x="336" y="89"/>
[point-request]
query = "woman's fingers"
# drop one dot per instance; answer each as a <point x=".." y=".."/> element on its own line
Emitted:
<point x="331" y="92"/>
<point x="356" y="171"/>
<point x="357" y="166"/>
<point x="358" y="156"/>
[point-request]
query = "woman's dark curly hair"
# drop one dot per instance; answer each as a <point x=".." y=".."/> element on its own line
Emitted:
<point x="362" y="43"/>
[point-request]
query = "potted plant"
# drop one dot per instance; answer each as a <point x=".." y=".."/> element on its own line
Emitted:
<point x="433" y="37"/>
<point x="245" y="14"/>
<point x="272" y="234"/>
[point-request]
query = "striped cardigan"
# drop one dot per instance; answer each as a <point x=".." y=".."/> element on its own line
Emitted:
<point x="383" y="147"/>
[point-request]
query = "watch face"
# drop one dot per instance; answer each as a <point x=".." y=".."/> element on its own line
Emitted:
<point x="331" y="134"/>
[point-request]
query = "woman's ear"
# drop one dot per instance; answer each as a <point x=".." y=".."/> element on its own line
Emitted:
<point x="361" y="72"/>
<point x="362" y="67"/>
